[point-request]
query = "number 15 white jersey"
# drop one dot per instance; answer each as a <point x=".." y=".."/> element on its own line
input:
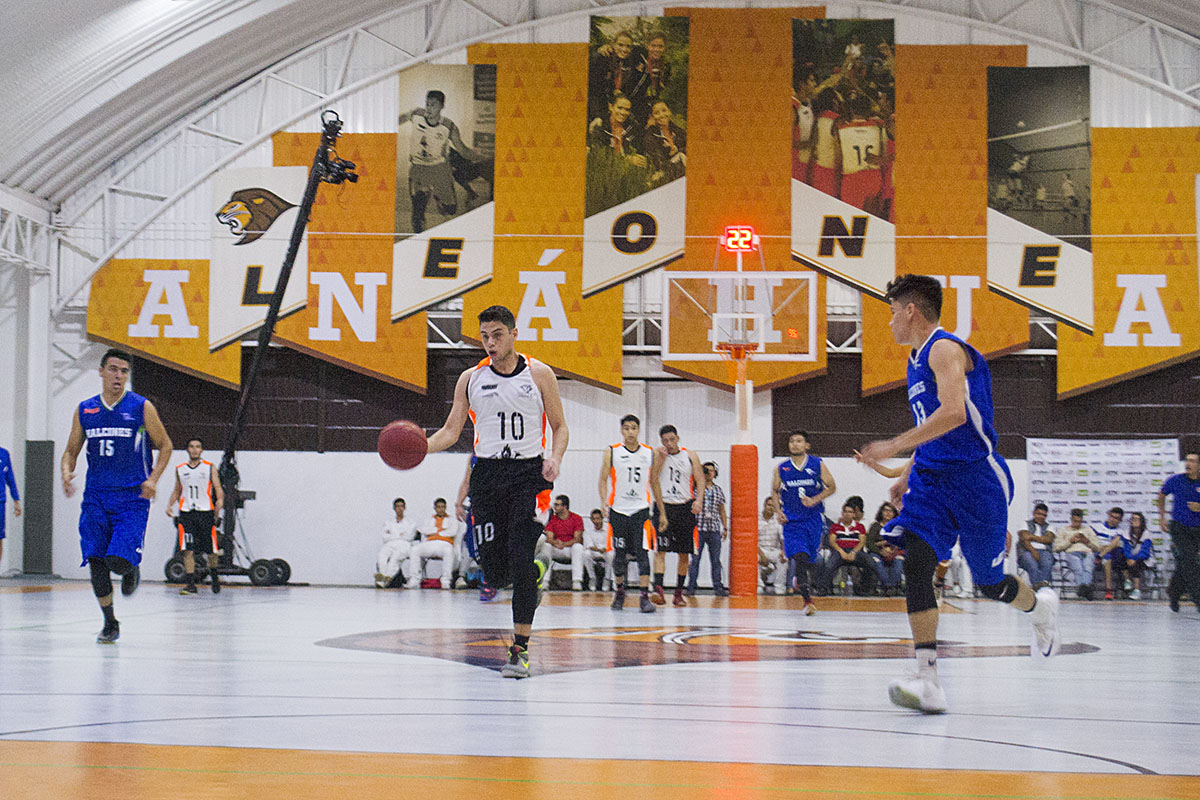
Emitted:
<point x="629" y="478"/>
<point x="507" y="411"/>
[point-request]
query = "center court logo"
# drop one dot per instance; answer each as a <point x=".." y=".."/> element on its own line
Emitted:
<point x="577" y="649"/>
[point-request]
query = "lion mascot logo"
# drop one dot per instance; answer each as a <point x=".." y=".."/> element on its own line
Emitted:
<point x="250" y="212"/>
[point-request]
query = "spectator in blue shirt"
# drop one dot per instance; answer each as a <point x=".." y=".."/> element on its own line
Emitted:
<point x="1184" y="490"/>
<point x="1136" y="554"/>
<point x="10" y="481"/>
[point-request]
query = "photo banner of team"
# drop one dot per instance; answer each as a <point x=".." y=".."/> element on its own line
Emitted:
<point x="636" y="197"/>
<point x="1039" y="190"/>
<point x="843" y="150"/>
<point x="445" y="167"/>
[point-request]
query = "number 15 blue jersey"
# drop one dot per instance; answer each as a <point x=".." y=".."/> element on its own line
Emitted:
<point x="118" y="451"/>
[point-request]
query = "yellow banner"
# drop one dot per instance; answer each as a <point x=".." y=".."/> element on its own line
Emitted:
<point x="739" y="163"/>
<point x="541" y="101"/>
<point x="941" y="191"/>
<point x="158" y="308"/>
<point x="1144" y="226"/>
<point x="350" y="233"/>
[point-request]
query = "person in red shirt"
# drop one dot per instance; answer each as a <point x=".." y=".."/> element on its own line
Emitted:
<point x="847" y="548"/>
<point x="564" y="541"/>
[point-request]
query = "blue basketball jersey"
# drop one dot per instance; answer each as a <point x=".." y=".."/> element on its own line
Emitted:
<point x="796" y="482"/>
<point x="118" y="450"/>
<point x="970" y="442"/>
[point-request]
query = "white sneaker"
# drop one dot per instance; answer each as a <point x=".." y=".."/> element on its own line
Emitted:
<point x="1045" y="624"/>
<point x="1136" y="594"/>
<point x="576" y="586"/>
<point x="921" y="694"/>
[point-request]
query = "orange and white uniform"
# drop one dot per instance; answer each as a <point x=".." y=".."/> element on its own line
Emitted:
<point x="439" y="539"/>
<point x="629" y="485"/>
<point x="196" y="515"/>
<point x="507" y="411"/>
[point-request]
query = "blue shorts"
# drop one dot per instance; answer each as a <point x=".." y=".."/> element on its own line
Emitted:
<point x="113" y="523"/>
<point x="802" y="536"/>
<point x="3" y="518"/>
<point x="968" y="505"/>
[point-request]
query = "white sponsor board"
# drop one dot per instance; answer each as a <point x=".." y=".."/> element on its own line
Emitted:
<point x="254" y="210"/>
<point x="634" y="237"/>
<point x="1040" y="271"/>
<point x="842" y="242"/>
<point x="445" y="261"/>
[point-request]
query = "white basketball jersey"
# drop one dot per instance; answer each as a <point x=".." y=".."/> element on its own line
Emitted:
<point x="430" y="144"/>
<point x="826" y="154"/>
<point x="860" y="139"/>
<point x="507" y="411"/>
<point x="629" y="478"/>
<point x="197" y="494"/>
<point x="805" y="121"/>
<point x="676" y="478"/>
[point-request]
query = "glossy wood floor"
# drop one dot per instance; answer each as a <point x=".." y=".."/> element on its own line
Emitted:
<point x="348" y="692"/>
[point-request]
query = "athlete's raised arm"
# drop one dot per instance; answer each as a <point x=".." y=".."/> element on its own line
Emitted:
<point x="448" y="434"/>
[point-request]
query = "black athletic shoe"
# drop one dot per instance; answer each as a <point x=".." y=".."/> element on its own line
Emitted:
<point x="216" y="583"/>
<point x="618" y="602"/>
<point x="110" y="633"/>
<point x="130" y="581"/>
<point x="189" y="589"/>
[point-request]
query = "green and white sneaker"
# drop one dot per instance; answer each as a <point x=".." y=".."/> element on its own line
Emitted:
<point x="543" y="566"/>
<point x="518" y="663"/>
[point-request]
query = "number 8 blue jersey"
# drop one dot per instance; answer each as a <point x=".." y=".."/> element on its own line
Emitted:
<point x="118" y="452"/>
<point x="970" y="442"/>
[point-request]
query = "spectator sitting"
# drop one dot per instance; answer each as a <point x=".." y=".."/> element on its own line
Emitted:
<point x="887" y="558"/>
<point x="1078" y="544"/>
<point x="953" y="576"/>
<point x="1112" y="536"/>
<point x="398" y="535"/>
<point x="772" y="562"/>
<point x="848" y="542"/>
<point x="1137" y="553"/>
<point x="596" y="554"/>
<point x="440" y="535"/>
<point x="1035" y="552"/>
<point x="564" y="541"/>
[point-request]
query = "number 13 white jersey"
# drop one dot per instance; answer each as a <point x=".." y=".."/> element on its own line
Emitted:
<point x="507" y="411"/>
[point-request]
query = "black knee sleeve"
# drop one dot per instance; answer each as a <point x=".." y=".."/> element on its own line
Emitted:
<point x="101" y="582"/>
<point x="800" y="560"/>
<point x="620" y="567"/>
<point x="643" y="562"/>
<point x="118" y="565"/>
<point x="920" y="562"/>
<point x="1005" y="591"/>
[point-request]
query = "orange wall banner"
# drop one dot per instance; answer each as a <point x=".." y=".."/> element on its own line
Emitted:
<point x="1146" y="293"/>
<point x="346" y="320"/>
<point x="739" y="161"/>
<point x="941" y="191"/>
<point x="541" y="100"/>
<point x="158" y="308"/>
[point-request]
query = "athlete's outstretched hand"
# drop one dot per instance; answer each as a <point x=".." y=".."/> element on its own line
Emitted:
<point x="148" y="489"/>
<point x="550" y="468"/>
<point x="875" y="452"/>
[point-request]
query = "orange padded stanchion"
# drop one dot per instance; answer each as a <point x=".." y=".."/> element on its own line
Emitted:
<point x="743" y="520"/>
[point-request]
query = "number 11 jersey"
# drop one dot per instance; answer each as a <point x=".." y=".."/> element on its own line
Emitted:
<point x="507" y="411"/>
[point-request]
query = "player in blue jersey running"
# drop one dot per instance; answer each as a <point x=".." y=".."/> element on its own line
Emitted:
<point x="119" y="429"/>
<point x="800" y="486"/>
<point x="956" y="487"/>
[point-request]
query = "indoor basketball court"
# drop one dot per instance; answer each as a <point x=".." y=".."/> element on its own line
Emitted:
<point x="751" y="351"/>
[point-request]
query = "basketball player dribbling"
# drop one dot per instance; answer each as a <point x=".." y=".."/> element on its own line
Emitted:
<point x="510" y="398"/>
<point x="119" y="428"/>
<point x="956" y="487"/>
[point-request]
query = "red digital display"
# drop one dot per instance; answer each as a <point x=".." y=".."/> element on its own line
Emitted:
<point x="739" y="239"/>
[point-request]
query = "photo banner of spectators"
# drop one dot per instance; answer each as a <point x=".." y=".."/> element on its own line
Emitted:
<point x="445" y="169"/>
<point x="636" y="199"/>
<point x="1039" y="190"/>
<point x="1097" y="474"/>
<point x="843" y="149"/>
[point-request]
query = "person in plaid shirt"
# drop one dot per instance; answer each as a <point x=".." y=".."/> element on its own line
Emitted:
<point x="713" y="527"/>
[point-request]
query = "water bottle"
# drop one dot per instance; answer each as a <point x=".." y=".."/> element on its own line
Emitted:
<point x="849" y="582"/>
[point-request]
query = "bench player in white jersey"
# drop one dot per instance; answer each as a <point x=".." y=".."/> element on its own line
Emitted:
<point x="196" y="497"/>
<point x="678" y="472"/>
<point x="625" y="485"/>
<point x="429" y="171"/>
<point x="511" y="399"/>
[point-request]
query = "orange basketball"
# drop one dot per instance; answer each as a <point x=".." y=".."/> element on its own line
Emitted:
<point x="402" y="444"/>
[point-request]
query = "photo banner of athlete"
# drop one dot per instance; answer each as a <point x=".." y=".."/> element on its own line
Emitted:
<point x="445" y="174"/>
<point x="636" y="147"/>
<point x="843" y="149"/>
<point x="1039" y="190"/>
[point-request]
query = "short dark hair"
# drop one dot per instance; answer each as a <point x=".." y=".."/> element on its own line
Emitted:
<point x="799" y="433"/>
<point x="114" y="352"/>
<point x="566" y="501"/>
<point x="631" y="418"/>
<point x="855" y="501"/>
<point x="596" y="511"/>
<point x="1076" y="512"/>
<point x="1191" y="451"/>
<point x="1042" y="507"/>
<point x="882" y="506"/>
<point x="656" y="35"/>
<point x="441" y="500"/>
<point x="399" y="500"/>
<point x="849" y="505"/>
<point x="923" y="291"/>
<point x="665" y="429"/>
<point x="712" y="464"/>
<point x="1120" y="512"/>
<point x="194" y="439"/>
<point x="498" y="314"/>
<point x="436" y="94"/>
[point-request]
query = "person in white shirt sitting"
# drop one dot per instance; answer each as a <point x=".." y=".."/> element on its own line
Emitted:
<point x="772" y="564"/>
<point x="596" y="553"/>
<point x="440" y="535"/>
<point x="398" y="535"/>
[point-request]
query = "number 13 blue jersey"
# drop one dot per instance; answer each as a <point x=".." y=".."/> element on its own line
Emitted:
<point x="970" y="442"/>
<point x="118" y="452"/>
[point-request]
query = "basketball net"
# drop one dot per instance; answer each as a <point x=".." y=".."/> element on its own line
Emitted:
<point x="737" y="355"/>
